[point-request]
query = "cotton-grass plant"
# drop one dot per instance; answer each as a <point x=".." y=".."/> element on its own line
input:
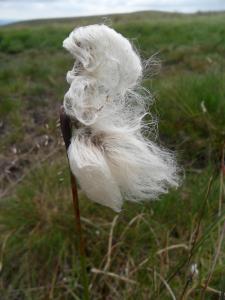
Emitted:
<point x="103" y="125"/>
<point x="108" y="154"/>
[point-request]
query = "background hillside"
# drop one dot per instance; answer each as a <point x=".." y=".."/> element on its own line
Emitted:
<point x="152" y="246"/>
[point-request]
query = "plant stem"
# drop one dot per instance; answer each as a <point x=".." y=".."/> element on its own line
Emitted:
<point x="67" y="133"/>
<point x="80" y="237"/>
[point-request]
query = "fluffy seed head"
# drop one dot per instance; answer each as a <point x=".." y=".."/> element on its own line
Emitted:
<point x="109" y="155"/>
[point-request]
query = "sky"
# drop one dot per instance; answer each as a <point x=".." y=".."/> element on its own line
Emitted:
<point x="35" y="9"/>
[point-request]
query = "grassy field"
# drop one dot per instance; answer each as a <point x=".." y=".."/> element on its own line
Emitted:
<point x="150" y="250"/>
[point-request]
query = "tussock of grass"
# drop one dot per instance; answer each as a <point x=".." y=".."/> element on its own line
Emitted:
<point x="153" y="245"/>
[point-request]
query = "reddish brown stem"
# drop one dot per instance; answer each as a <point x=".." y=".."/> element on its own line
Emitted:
<point x="66" y="129"/>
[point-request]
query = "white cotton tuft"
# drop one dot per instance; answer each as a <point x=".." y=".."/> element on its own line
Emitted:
<point x="84" y="99"/>
<point x="106" y="55"/>
<point x="89" y="165"/>
<point x="108" y="153"/>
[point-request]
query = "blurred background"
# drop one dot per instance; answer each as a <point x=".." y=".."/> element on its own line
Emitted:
<point x="167" y="249"/>
<point x="14" y="10"/>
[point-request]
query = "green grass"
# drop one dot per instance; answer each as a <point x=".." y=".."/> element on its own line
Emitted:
<point x="38" y="256"/>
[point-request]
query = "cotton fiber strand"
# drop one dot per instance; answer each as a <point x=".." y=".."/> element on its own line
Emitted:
<point x="108" y="154"/>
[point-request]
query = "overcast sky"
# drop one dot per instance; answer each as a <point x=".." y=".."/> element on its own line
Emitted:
<point x="32" y="9"/>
